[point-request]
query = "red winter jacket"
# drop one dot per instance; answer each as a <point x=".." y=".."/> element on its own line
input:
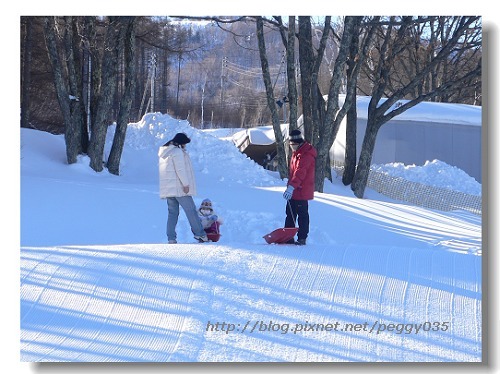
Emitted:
<point x="301" y="175"/>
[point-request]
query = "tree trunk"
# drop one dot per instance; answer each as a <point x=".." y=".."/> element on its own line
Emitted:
<point x="128" y="42"/>
<point x="318" y="103"/>
<point x="96" y="81"/>
<point x="290" y="71"/>
<point x="72" y="141"/>
<point x="313" y="105"/>
<point x="271" y="102"/>
<point x="306" y="58"/>
<point x="292" y="82"/>
<point x="350" y="145"/>
<point x="77" y="108"/>
<point x="98" y="136"/>
<point x="352" y="113"/>
<point x="333" y="117"/>
<point x="365" y="159"/>
<point x="26" y="77"/>
<point x="87" y="35"/>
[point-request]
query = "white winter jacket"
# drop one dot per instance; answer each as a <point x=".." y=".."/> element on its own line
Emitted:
<point x="176" y="171"/>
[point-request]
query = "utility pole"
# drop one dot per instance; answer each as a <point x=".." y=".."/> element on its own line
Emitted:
<point x="222" y="85"/>
<point x="153" y="80"/>
<point x="285" y="90"/>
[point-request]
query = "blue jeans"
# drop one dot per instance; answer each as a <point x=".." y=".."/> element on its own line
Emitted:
<point x="187" y="204"/>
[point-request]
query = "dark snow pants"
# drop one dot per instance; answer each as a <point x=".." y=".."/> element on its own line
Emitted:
<point x="298" y="208"/>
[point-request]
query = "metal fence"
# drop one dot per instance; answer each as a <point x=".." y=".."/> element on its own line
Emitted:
<point x="419" y="194"/>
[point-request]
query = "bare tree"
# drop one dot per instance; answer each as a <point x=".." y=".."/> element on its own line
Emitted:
<point x="290" y="72"/>
<point x="307" y="61"/>
<point x="395" y="38"/>
<point x="106" y="93"/>
<point x="352" y="113"/>
<point x="127" y="45"/>
<point x="334" y="114"/>
<point x="321" y="121"/>
<point x="65" y="96"/>
<point x="26" y="75"/>
<point x="357" y="56"/>
<point x="71" y="42"/>
<point x="271" y="102"/>
<point x="87" y="32"/>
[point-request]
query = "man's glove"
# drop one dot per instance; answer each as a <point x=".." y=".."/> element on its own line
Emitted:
<point x="287" y="195"/>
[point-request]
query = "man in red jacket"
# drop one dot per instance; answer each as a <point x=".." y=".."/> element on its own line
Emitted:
<point x="300" y="188"/>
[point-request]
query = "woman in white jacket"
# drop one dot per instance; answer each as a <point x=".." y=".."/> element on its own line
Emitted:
<point x="177" y="186"/>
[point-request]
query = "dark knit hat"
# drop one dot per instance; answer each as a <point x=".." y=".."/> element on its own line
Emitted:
<point x="180" y="139"/>
<point x="295" y="136"/>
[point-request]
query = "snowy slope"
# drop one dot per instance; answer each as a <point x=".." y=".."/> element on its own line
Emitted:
<point x="378" y="281"/>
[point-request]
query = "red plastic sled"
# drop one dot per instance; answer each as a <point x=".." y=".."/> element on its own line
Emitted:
<point x="213" y="233"/>
<point x="281" y="236"/>
<point x="214" y="236"/>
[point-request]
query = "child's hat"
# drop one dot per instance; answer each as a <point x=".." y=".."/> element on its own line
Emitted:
<point x="206" y="204"/>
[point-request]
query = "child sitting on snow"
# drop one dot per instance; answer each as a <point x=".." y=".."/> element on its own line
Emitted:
<point x="209" y="219"/>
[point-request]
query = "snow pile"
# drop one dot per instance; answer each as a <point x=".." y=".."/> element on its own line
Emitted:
<point x="434" y="173"/>
<point x="153" y="130"/>
<point x="220" y="161"/>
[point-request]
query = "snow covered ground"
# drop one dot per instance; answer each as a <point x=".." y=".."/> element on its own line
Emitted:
<point x="379" y="281"/>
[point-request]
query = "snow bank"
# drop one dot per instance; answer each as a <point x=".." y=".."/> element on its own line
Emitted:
<point x="428" y="112"/>
<point x="434" y="173"/>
